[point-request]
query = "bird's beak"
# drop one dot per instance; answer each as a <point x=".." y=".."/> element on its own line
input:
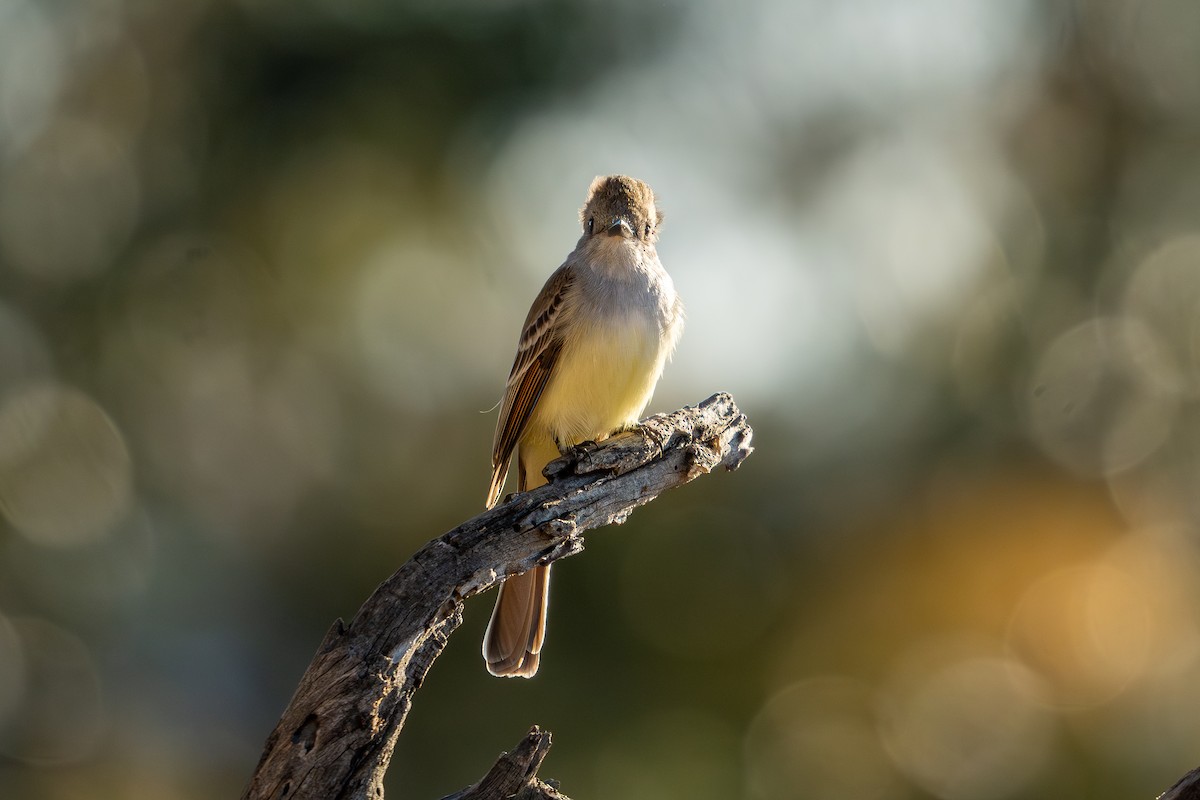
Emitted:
<point x="619" y="227"/>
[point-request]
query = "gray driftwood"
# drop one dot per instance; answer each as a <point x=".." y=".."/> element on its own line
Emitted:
<point x="336" y="737"/>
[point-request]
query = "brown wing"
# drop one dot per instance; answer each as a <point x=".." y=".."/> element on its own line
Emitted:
<point x="536" y="353"/>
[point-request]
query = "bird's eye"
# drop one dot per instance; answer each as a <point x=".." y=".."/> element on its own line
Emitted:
<point x="591" y="224"/>
<point x="647" y="228"/>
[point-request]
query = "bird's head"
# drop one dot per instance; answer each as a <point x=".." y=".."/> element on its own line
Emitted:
<point x="618" y="205"/>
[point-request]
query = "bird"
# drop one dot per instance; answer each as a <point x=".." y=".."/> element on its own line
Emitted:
<point x="593" y="347"/>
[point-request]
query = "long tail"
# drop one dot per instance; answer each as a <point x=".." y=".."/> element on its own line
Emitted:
<point x="515" y="634"/>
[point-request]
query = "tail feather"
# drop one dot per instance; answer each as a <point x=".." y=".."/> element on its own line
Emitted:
<point x="513" y="642"/>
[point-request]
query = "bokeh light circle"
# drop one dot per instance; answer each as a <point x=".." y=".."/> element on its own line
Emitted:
<point x="65" y="472"/>
<point x="969" y="729"/>
<point x="1088" y="406"/>
<point x="1164" y="295"/>
<point x="817" y="739"/>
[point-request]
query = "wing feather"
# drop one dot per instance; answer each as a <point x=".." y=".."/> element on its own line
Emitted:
<point x="537" y="353"/>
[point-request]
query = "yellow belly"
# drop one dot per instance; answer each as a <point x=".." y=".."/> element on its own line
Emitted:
<point x="602" y="382"/>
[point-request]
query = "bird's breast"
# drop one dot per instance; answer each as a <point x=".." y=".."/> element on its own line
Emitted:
<point x="613" y="354"/>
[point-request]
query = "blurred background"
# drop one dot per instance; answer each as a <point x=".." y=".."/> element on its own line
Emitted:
<point x="262" y="269"/>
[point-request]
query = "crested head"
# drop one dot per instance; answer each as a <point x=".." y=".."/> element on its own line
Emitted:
<point x="618" y="204"/>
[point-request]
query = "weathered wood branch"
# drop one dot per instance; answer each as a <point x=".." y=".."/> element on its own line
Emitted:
<point x="337" y="735"/>
<point x="515" y="774"/>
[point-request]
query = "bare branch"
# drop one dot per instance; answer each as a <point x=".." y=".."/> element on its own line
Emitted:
<point x="514" y="774"/>
<point x="336" y="737"/>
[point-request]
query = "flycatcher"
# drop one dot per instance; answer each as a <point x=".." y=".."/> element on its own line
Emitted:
<point x="592" y="348"/>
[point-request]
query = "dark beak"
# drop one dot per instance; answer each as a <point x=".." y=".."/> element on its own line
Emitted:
<point x="619" y="227"/>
